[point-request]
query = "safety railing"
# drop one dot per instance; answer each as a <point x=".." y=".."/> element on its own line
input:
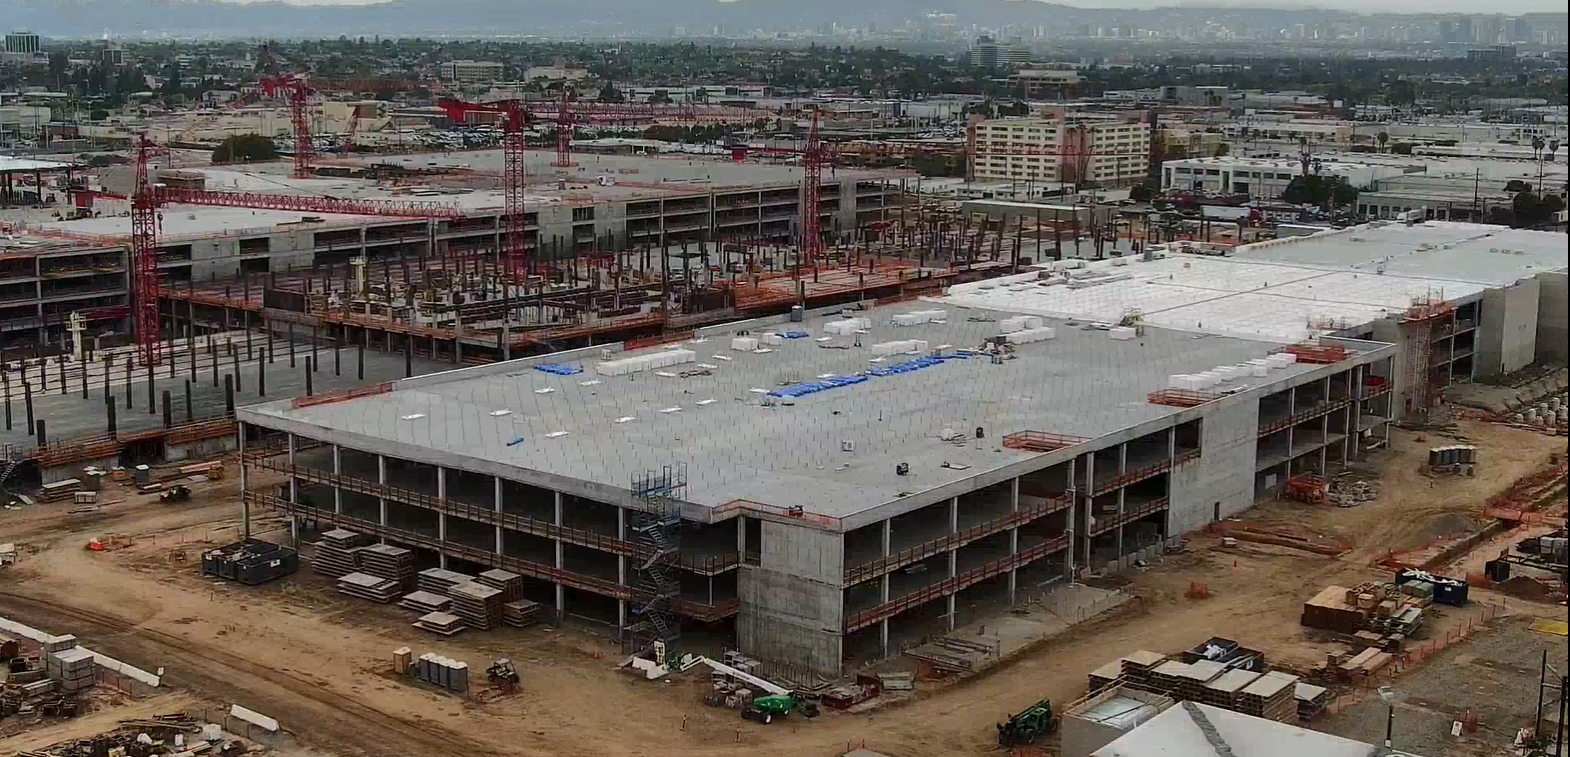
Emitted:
<point x="951" y="585"/>
<point x="896" y="560"/>
<point x="601" y="586"/>
<point x="1322" y="408"/>
<point x="97" y="446"/>
<point x="1140" y="474"/>
<point x="1128" y="516"/>
<point x="701" y="564"/>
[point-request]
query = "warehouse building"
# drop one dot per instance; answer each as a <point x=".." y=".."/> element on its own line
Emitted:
<point x="610" y="202"/>
<point x="851" y="481"/>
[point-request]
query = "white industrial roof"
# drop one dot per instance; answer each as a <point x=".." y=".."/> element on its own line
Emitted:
<point x="1288" y="289"/>
<point x="1174" y="733"/>
<point x="179" y="220"/>
<point x="604" y="429"/>
<point x="9" y="163"/>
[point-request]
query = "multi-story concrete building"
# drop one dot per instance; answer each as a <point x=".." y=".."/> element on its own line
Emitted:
<point x="471" y="71"/>
<point x="43" y="281"/>
<point x="838" y="497"/>
<point x="1095" y="149"/>
<point x="1263" y="178"/>
<point x="23" y="42"/>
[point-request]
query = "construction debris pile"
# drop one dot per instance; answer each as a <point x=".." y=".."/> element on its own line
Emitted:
<point x="45" y="681"/>
<point x="1347" y="491"/>
<point x="1219" y="672"/>
<point x="177" y="735"/>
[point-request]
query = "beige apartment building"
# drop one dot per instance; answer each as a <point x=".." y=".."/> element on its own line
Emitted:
<point x="1101" y="149"/>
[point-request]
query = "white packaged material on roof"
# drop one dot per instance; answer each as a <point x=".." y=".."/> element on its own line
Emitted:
<point x="744" y="343"/>
<point x="893" y="348"/>
<point x="1029" y="336"/>
<point x="1121" y="333"/>
<point x="773" y="339"/>
<point x="639" y="363"/>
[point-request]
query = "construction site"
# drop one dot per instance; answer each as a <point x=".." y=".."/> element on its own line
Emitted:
<point x="601" y="414"/>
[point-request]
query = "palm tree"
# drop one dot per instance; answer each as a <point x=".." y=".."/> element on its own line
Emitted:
<point x="1383" y="138"/>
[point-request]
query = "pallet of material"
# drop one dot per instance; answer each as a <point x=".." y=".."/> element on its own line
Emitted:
<point x="1363" y="663"/>
<point x="479" y="605"/>
<point x="387" y="561"/>
<point x="370" y="587"/>
<point x="73" y="668"/>
<point x="1223" y="692"/>
<point x="425" y="602"/>
<point x="1311" y="700"/>
<point x="1272" y="696"/>
<point x="439" y="580"/>
<point x="337" y="553"/>
<point x="1329" y="610"/>
<point x="442" y="623"/>
<point x="213" y="470"/>
<point x="510" y="583"/>
<point x="520" y="613"/>
<point x="59" y="490"/>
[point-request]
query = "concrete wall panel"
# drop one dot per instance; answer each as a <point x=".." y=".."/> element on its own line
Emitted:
<point x="1553" y="317"/>
<point x="1507" y="328"/>
<point x="1224" y="471"/>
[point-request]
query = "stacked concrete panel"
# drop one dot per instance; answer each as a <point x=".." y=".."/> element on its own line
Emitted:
<point x="366" y="586"/>
<point x="337" y="553"/>
<point x="73" y="668"/>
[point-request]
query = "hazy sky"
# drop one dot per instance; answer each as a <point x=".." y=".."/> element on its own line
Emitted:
<point x="1386" y="6"/>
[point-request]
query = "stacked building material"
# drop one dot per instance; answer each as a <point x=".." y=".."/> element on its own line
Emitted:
<point x="1223" y="692"/>
<point x="366" y="586"/>
<point x="442" y="623"/>
<point x="1336" y="609"/>
<point x="1272" y="696"/>
<point x="439" y="580"/>
<point x="510" y="583"/>
<point x="425" y="602"/>
<point x="479" y="605"/>
<point x="73" y="668"/>
<point x="520" y="613"/>
<point x="59" y="491"/>
<point x="337" y="552"/>
<point x="1311" y="700"/>
<point x="387" y="561"/>
<point x="1134" y="669"/>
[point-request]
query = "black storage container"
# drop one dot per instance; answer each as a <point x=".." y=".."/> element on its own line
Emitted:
<point x="250" y="562"/>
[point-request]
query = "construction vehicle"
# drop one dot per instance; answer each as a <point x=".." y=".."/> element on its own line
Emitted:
<point x="777" y="703"/>
<point x="502" y="675"/>
<point x="176" y="493"/>
<point x="1023" y="729"/>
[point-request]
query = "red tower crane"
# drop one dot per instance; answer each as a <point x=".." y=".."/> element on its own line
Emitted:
<point x="517" y="117"/>
<point x="815" y="154"/>
<point x="294" y="91"/>
<point x="148" y="197"/>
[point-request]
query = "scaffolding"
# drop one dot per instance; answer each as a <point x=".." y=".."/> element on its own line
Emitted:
<point x="656" y="530"/>
<point x="1418" y="328"/>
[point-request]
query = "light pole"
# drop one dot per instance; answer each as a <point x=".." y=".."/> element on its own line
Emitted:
<point x="1391" y="697"/>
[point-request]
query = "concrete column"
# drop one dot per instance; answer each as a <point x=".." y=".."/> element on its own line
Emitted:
<point x="1090" y="502"/>
<point x="952" y="601"/>
<point x="741" y="535"/>
<point x="499" y="542"/>
<point x="1122" y="493"/>
<point x="621" y="564"/>
<point x="1291" y="410"/>
<point x="1013" y="534"/>
<point x="381" y="502"/>
<point x="953" y="555"/>
<point x="1354" y="423"/>
<point x="294" y="497"/>
<point x="1324" y="435"/>
<point x="888" y="537"/>
<point x="337" y="471"/>
<point x="441" y="517"/>
<point x="561" y="559"/>
<point x="954" y="515"/>
<point x="1069" y="529"/>
<point x="245" y="480"/>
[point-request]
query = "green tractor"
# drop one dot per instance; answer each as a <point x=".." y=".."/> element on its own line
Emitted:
<point x="1023" y="729"/>
<point x="765" y="709"/>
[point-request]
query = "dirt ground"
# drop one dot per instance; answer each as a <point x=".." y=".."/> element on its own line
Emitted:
<point x="319" y="662"/>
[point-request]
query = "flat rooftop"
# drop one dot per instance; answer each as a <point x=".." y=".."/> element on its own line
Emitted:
<point x="738" y="446"/>
<point x="1438" y="250"/>
<point x="196" y="220"/>
<point x="686" y="171"/>
<point x="12" y="164"/>
<point x="1288" y="289"/>
<point x="1174" y="733"/>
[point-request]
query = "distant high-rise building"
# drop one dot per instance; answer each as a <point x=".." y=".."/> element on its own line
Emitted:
<point x="1521" y="30"/>
<point x="984" y="52"/>
<point x="471" y="71"/>
<point x="23" y="42"/>
<point x="112" y="55"/>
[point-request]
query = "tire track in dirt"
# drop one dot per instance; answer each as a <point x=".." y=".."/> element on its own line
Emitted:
<point x="312" y="712"/>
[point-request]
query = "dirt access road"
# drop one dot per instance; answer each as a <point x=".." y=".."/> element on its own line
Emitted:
<point x="317" y="661"/>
